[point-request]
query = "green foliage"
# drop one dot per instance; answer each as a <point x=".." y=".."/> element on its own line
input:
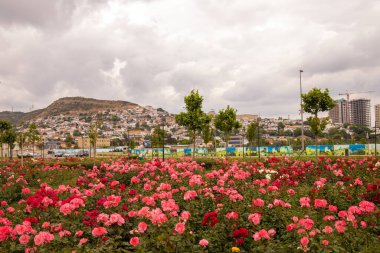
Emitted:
<point x="69" y="140"/>
<point x="251" y="132"/>
<point x="207" y="133"/>
<point x="76" y="133"/>
<point x="10" y="137"/>
<point x="93" y="133"/>
<point x="280" y="127"/>
<point x="360" y="133"/>
<point x="7" y="135"/>
<point x="226" y="122"/>
<point x="158" y="136"/>
<point x="5" y="126"/>
<point x="33" y="134"/>
<point x="314" y="102"/>
<point x="317" y="125"/>
<point x="194" y="119"/>
<point x="132" y="144"/>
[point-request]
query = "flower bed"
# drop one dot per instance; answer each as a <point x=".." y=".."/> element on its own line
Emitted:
<point x="278" y="205"/>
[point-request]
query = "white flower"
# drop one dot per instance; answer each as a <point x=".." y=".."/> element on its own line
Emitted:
<point x="377" y="165"/>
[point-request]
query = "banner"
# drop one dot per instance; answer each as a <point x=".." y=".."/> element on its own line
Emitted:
<point x="371" y="149"/>
<point x="340" y="149"/>
<point x="322" y="150"/>
<point x="357" y="149"/>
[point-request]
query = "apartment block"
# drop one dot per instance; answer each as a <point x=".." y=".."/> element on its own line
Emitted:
<point x="100" y="142"/>
<point x="377" y="114"/>
<point x="339" y="114"/>
<point x="360" y="112"/>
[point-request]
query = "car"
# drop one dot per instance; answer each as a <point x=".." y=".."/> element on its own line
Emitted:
<point x="24" y="155"/>
<point x="59" y="154"/>
<point x="82" y="153"/>
<point x="68" y="155"/>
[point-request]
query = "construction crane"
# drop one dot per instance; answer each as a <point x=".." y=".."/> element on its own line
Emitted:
<point x="348" y="93"/>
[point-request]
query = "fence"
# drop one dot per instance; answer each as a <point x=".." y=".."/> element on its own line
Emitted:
<point x="349" y="149"/>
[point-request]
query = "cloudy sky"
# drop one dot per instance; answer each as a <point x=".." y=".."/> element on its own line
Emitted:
<point x="243" y="53"/>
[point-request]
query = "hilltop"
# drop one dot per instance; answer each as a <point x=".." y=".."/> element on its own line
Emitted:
<point x="69" y="106"/>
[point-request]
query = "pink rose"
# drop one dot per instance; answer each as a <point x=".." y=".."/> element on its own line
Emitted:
<point x="99" y="231"/>
<point x="203" y="242"/>
<point x="24" y="239"/>
<point x="134" y="241"/>
<point x="254" y="218"/>
<point x="83" y="241"/>
<point x="180" y="228"/>
<point x="304" y="241"/>
<point x="142" y="227"/>
<point x="79" y="233"/>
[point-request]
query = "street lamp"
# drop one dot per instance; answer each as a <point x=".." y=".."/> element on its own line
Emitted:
<point x="243" y="139"/>
<point x="82" y="145"/>
<point x="375" y="138"/>
<point x="22" y="147"/>
<point x="214" y="139"/>
<point x="163" y="139"/>
<point x="258" y="137"/>
<point x="301" y="104"/>
<point x="43" y="148"/>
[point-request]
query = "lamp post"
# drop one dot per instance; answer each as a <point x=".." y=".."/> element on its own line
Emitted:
<point x="301" y="104"/>
<point x="43" y="148"/>
<point x="82" y="145"/>
<point x="375" y="139"/>
<point x="243" y="140"/>
<point x="214" y="136"/>
<point x="258" y="137"/>
<point x="22" y="152"/>
<point x="163" y="139"/>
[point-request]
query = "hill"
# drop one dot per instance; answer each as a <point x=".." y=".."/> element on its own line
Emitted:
<point x="68" y="106"/>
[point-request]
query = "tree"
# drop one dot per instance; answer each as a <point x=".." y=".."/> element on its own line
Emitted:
<point x="69" y="140"/>
<point x="10" y="139"/>
<point x="21" y="138"/>
<point x="251" y="133"/>
<point x="93" y="134"/>
<point x="5" y="126"/>
<point x="207" y="133"/>
<point x="33" y="135"/>
<point x="314" y="102"/>
<point x="76" y="133"/>
<point x="226" y="122"/>
<point x="157" y="137"/>
<point x="280" y="128"/>
<point x="360" y="133"/>
<point x="194" y="119"/>
<point x="116" y="142"/>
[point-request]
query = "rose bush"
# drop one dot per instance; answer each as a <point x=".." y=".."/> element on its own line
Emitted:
<point x="179" y="206"/>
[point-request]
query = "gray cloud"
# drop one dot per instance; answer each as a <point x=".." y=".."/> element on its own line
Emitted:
<point x="242" y="53"/>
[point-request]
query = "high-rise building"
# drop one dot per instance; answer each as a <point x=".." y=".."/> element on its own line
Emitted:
<point x="338" y="114"/>
<point x="377" y="114"/>
<point x="360" y="112"/>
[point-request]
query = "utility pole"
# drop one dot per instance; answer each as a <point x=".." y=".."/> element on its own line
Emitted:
<point x="375" y="139"/>
<point x="22" y="154"/>
<point x="243" y="140"/>
<point x="163" y="139"/>
<point x="258" y="137"/>
<point x="302" y="127"/>
<point x="82" y="146"/>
